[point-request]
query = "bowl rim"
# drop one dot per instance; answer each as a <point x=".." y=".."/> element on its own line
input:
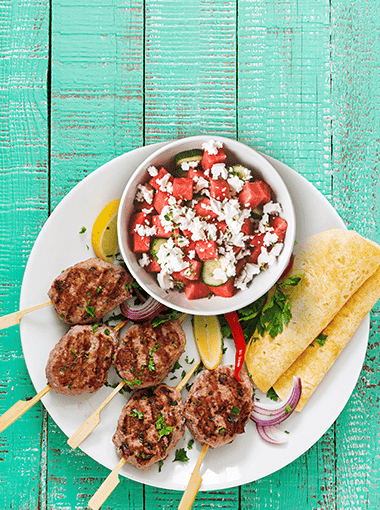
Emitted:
<point x="227" y="302"/>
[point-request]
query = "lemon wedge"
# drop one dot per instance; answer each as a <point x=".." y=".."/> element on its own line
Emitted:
<point x="208" y="339"/>
<point x="104" y="232"/>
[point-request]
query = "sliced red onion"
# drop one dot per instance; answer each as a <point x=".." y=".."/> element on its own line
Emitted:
<point x="273" y="414"/>
<point x="272" y="434"/>
<point x="142" y="312"/>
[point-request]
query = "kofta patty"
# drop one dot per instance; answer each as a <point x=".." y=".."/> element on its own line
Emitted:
<point x="150" y="425"/>
<point x="80" y="361"/>
<point x="85" y="292"/>
<point x="146" y="354"/>
<point x="218" y="406"/>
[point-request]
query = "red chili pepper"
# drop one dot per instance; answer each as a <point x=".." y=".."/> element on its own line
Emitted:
<point x="237" y="332"/>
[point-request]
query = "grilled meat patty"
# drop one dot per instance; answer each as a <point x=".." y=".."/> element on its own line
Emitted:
<point x="80" y="361"/>
<point x="146" y="354"/>
<point x="150" y="425"/>
<point x="85" y="292"/>
<point x="218" y="406"/>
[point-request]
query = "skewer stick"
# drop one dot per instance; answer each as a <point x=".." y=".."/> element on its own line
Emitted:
<point x="194" y="483"/>
<point x="107" y="487"/>
<point x="93" y="421"/>
<point x="15" y="317"/>
<point x="19" y="408"/>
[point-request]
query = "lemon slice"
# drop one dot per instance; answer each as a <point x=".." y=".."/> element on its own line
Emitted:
<point x="208" y="339"/>
<point x="104" y="232"/>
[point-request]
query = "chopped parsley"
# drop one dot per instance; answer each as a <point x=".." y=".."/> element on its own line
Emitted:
<point x="160" y="319"/>
<point x="272" y="394"/>
<point x="82" y="230"/>
<point x="181" y="455"/>
<point x="90" y="310"/>
<point x="162" y="428"/>
<point x="288" y="409"/>
<point x="135" y="382"/>
<point x="160" y="464"/>
<point x="321" y="339"/>
<point x="136" y="414"/>
<point x="190" y="444"/>
<point x="235" y="410"/>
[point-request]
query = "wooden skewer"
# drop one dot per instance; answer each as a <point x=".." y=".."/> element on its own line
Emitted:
<point x="19" y="408"/>
<point x="107" y="487"/>
<point x="194" y="483"/>
<point x="14" y="318"/>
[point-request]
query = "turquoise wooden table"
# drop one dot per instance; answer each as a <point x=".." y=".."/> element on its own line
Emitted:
<point x="83" y="82"/>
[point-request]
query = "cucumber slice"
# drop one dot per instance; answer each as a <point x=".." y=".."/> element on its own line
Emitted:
<point x="208" y="269"/>
<point x="156" y="245"/>
<point x="186" y="157"/>
<point x="242" y="172"/>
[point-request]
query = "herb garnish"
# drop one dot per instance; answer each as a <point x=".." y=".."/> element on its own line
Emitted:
<point x="136" y="414"/>
<point x="90" y="310"/>
<point x="162" y="428"/>
<point x="272" y="394"/>
<point x="181" y="455"/>
<point x="321" y="339"/>
<point x="135" y="382"/>
<point x="160" y="319"/>
<point x="265" y="315"/>
<point x="82" y="230"/>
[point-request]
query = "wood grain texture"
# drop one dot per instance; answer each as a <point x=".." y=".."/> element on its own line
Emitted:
<point x="23" y="199"/>
<point x="355" y="130"/>
<point x="296" y="79"/>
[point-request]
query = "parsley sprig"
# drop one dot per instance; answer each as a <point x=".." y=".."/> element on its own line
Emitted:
<point x="265" y="315"/>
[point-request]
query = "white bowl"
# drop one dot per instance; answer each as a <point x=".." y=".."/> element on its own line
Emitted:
<point x="237" y="153"/>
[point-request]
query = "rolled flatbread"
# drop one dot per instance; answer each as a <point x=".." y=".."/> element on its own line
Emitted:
<point x="333" y="265"/>
<point x="317" y="359"/>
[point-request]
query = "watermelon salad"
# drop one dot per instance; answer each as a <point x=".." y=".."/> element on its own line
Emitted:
<point x="205" y="227"/>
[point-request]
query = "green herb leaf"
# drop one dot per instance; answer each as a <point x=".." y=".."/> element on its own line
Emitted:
<point x="321" y="339"/>
<point x="162" y="428"/>
<point x="136" y="414"/>
<point x="82" y="230"/>
<point x="181" y="455"/>
<point x="272" y="394"/>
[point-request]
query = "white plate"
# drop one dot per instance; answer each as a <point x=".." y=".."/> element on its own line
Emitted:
<point x="248" y="458"/>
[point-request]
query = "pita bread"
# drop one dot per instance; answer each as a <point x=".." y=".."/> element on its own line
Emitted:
<point x="316" y="360"/>
<point x="333" y="265"/>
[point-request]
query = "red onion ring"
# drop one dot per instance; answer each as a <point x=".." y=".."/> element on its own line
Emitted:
<point x="273" y="414"/>
<point x="272" y="434"/>
<point x="145" y="311"/>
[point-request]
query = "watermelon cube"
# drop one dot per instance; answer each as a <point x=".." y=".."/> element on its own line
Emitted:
<point x="195" y="173"/>
<point x="190" y="247"/>
<point x="196" y="290"/>
<point x="209" y="160"/>
<point x="255" y="193"/>
<point x="206" y="250"/>
<point x="160" y="230"/>
<point x="203" y="208"/>
<point x="161" y="199"/>
<point x="161" y="173"/>
<point x="193" y="271"/>
<point x="219" y="189"/>
<point x="225" y="290"/>
<point x="279" y="226"/>
<point x="247" y="227"/>
<point x="141" y="244"/>
<point x="256" y="243"/>
<point x="153" y="266"/>
<point x="183" y="188"/>
<point x="137" y="219"/>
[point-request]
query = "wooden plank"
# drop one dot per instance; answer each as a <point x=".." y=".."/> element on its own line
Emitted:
<point x="283" y="110"/>
<point x="190" y="89"/>
<point x="97" y="87"/>
<point x="97" y="114"/>
<point x="284" y="84"/>
<point x="190" y="61"/>
<point x="355" y="57"/>
<point x="23" y="210"/>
